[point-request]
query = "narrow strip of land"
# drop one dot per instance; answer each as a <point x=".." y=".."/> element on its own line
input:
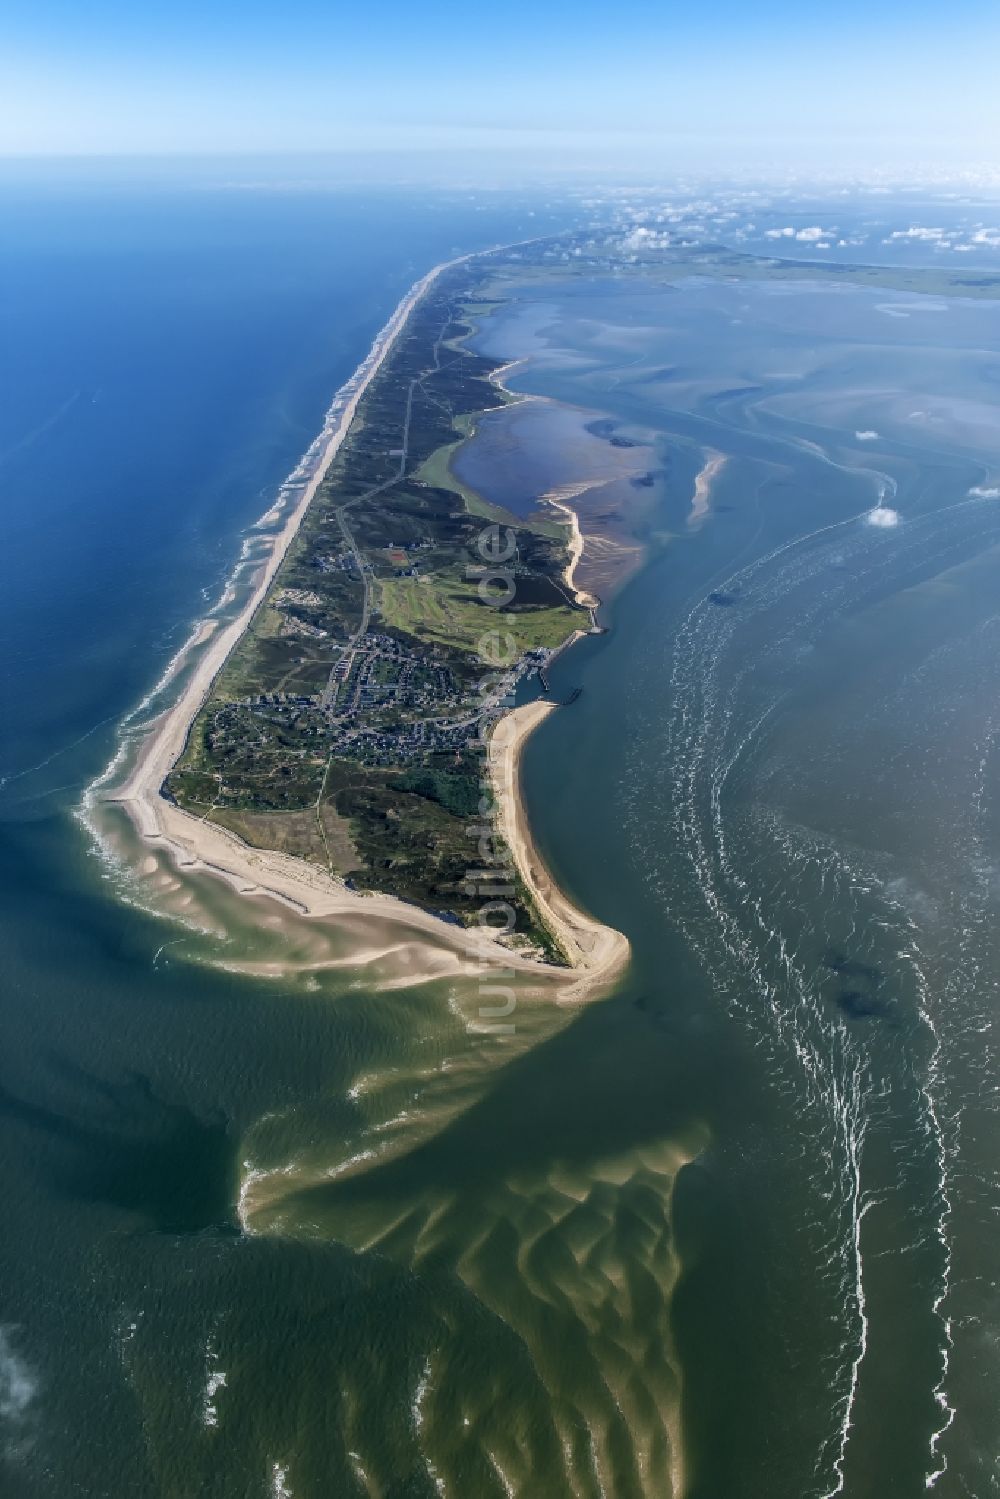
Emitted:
<point x="195" y="840"/>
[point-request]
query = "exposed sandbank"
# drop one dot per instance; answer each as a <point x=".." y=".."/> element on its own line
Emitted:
<point x="558" y="498"/>
<point x="702" y="497"/>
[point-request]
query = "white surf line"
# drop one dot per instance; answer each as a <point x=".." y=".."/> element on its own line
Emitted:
<point x="335" y="425"/>
<point x="859" y="1207"/>
<point x="947" y="1411"/>
<point x="927" y="1090"/>
<point x="854" y="1129"/>
<point x="851" y="1128"/>
<point x="165" y="736"/>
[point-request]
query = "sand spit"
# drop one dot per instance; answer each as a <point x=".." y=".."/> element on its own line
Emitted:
<point x="702" y="497"/>
<point x="434" y="948"/>
<point x="597" y="953"/>
<point x="558" y="498"/>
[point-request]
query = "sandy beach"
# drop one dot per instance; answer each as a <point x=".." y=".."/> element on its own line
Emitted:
<point x="434" y="947"/>
<point x="596" y="952"/>
<point x="558" y="498"/>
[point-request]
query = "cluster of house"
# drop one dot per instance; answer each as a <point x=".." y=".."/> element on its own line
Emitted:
<point x="384" y="675"/>
<point x="388" y="707"/>
<point x="344" y="562"/>
<point x="411" y="740"/>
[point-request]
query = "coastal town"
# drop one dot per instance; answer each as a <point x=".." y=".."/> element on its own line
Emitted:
<point x="383" y="706"/>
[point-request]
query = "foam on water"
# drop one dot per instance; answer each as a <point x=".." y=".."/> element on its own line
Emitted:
<point x="883" y="516"/>
<point x="712" y="744"/>
<point x="279" y="1482"/>
<point x="19" y="1384"/>
<point x="215" y="1380"/>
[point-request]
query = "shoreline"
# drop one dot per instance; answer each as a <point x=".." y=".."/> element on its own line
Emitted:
<point x="597" y="953"/>
<point x="195" y="845"/>
<point x="559" y="500"/>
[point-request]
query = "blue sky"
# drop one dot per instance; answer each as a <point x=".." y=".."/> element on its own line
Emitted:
<point x="710" y="81"/>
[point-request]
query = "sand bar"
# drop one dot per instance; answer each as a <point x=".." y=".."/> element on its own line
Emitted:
<point x="702" y="497"/>
<point x="558" y="499"/>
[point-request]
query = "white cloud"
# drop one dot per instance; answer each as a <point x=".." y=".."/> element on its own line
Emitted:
<point x="641" y="238"/>
<point x="808" y="236"/>
<point x="915" y="231"/>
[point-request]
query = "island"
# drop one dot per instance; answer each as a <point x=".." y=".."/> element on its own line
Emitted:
<point x="350" y="724"/>
<point x="357" y="729"/>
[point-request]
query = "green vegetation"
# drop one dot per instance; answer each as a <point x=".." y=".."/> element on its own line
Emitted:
<point x="935" y="283"/>
<point x="345" y="727"/>
<point x="666" y="265"/>
<point x="450" y="611"/>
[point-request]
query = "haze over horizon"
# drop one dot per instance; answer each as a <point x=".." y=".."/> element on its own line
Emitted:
<point x="713" y="88"/>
